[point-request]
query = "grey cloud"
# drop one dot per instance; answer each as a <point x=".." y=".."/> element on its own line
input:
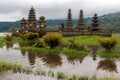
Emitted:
<point x="54" y="10"/>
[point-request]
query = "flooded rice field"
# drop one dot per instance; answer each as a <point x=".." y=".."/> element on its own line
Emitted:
<point x="47" y="66"/>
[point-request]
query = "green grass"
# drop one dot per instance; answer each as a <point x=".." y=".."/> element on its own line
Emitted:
<point x="42" y="50"/>
<point x="108" y="78"/>
<point x="1" y="41"/>
<point x="83" y="40"/>
<point x="118" y="38"/>
<point x="4" y="66"/>
<point x="89" y="40"/>
<point x="72" y="52"/>
<point x="112" y="54"/>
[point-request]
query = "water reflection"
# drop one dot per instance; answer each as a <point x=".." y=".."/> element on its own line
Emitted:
<point x="23" y="52"/>
<point x="108" y="65"/>
<point x="31" y="58"/>
<point x="61" y="62"/>
<point x="52" y="60"/>
<point x="72" y="59"/>
<point x="93" y="49"/>
<point x="9" y="45"/>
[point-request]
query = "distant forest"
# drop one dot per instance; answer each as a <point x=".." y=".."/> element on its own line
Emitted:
<point x="108" y="21"/>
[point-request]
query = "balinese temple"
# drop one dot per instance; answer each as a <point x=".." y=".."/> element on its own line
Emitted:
<point x="80" y="26"/>
<point x="33" y="25"/>
<point x="42" y="23"/>
<point x="95" y="24"/>
<point x="69" y="21"/>
<point x="32" y="20"/>
<point x="81" y="29"/>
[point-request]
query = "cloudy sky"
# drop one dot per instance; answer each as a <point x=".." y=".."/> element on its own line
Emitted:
<point x="12" y="10"/>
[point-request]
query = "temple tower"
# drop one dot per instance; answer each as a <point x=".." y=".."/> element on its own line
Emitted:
<point x="95" y="24"/>
<point x="42" y="23"/>
<point x="69" y="20"/>
<point x="31" y="19"/>
<point x="80" y="25"/>
<point x="23" y="25"/>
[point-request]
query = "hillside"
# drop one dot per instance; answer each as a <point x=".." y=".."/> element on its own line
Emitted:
<point x="108" y="21"/>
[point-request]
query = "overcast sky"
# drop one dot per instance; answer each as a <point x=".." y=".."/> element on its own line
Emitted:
<point x="12" y="10"/>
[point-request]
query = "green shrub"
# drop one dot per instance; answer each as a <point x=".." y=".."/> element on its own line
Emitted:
<point x="39" y="43"/>
<point x="74" y="45"/>
<point x="108" y="43"/>
<point x="8" y="37"/>
<point x="22" y="36"/>
<point x="41" y="33"/>
<point x="31" y="35"/>
<point x="60" y="75"/>
<point x="53" y="39"/>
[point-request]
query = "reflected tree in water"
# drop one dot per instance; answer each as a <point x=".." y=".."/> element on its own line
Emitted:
<point x="52" y="60"/>
<point x="94" y="49"/>
<point x="108" y="65"/>
<point x="23" y="52"/>
<point x="31" y="57"/>
<point x="9" y="45"/>
<point x="71" y="59"/>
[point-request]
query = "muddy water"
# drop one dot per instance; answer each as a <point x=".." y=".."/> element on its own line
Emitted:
<point x="70" y="65"/>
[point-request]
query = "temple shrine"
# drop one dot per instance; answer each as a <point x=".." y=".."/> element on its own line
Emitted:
<point x="34" y="25"/>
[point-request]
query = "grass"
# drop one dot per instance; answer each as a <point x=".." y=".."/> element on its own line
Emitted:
<point x="4" y="66"/>
<point x="83" y="40"/>
<point x="108" y="78"/>
<point x="42" y="50"/>
<point x="76" y="52"/>
<point x="109" y="54"/>
<point x="80" y="40"/>
<point x="1" y="41"/>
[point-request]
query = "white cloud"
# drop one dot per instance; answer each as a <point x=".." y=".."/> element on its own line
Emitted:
<point x="16" y="9"/>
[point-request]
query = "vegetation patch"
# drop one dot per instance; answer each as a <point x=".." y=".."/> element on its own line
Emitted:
<point x="31" y="36"/>
<point x="53" y="39"/>
<point x="108" y="43"/>
<point x="5" y="66"/>
<point x="74" y="52"/>
<point x="109" y="54"/>
<point x="42" y="50"/>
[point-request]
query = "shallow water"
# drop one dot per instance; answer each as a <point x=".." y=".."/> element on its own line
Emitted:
<point x="80" y="66"/>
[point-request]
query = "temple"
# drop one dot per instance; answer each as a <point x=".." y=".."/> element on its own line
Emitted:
<point x="33" y="25"/>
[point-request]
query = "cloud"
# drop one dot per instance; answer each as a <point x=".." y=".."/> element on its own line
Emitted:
<point x="55" y="9"/>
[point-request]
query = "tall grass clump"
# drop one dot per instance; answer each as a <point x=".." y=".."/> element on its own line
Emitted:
<point x="31" y="35"/>
<point x="4" y="66"/>
<point x="39" y="43"/>
<point x="8" y="37"/>
<point x="53" y="39"/>
<point x="74" y="45"/>
<point x="108" y="43"/>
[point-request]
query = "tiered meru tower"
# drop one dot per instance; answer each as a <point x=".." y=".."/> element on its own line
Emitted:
<point x="32" y="24"/>
<point x="80" y="25"/>
<point x="32" y="20"/>
<point x="42" y="23"/>
<point x="69" y="20"/>
<point x="95" y="24"/>
<point x="23" y="25"/>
